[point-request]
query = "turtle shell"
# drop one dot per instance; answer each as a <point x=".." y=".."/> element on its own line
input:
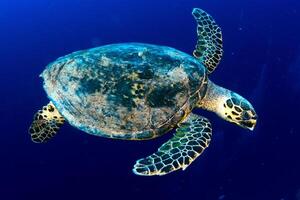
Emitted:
<point x="126" y="91"/>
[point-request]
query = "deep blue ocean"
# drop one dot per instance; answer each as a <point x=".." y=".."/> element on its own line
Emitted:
<point x="261" y="62"/>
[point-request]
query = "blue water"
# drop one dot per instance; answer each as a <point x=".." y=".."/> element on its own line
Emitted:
<point x="261" y="62"/>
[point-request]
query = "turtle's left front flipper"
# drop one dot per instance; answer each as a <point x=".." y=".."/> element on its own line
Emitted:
<point x="209" y="48"/>
<point x="45" y="124"/>
<point x="189" y="141"/>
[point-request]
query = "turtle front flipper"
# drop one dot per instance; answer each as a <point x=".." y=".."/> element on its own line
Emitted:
<point x="45" y="124"/>
<point x="209" y="48"/>
<point x="189" y="141"/>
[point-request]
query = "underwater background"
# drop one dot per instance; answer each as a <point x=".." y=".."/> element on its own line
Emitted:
<point x="261" y="62"/>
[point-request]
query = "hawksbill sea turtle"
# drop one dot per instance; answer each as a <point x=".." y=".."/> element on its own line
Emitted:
<point x="135" y="91"/>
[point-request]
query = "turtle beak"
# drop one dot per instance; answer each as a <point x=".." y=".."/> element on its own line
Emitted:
<point x="249" y="124"/>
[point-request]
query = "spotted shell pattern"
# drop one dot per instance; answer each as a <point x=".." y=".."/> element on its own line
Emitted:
<point x="126" y="91"/>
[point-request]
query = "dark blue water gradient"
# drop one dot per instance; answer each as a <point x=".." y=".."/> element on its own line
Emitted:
<point x="261" y="62"/>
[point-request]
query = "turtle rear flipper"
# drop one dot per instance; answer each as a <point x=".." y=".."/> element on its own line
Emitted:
<point x="209" y="48"/>
<point x="189" y="141"/>
<point x="45" y="124"/>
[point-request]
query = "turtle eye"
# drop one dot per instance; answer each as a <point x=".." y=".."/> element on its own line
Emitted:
<point x="245" y="115"/>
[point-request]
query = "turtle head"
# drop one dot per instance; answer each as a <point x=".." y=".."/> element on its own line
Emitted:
<point x="229" y="106"/>
<point x="238" y="110"/>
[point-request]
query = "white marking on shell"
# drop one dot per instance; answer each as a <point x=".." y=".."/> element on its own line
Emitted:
<point x="105" y="62"/>
<point x="140" y="54"/>
<point x="178" y="74"/>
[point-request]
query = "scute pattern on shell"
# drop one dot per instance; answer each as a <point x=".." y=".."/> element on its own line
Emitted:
<point x="128" y="91"/>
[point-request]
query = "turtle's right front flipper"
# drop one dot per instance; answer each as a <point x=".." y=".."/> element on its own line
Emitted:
<point x="189" y="141"/>
<point x="45" y="124"/>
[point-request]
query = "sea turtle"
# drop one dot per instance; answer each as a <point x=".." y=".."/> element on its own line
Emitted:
<point x="135" y="91"/>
